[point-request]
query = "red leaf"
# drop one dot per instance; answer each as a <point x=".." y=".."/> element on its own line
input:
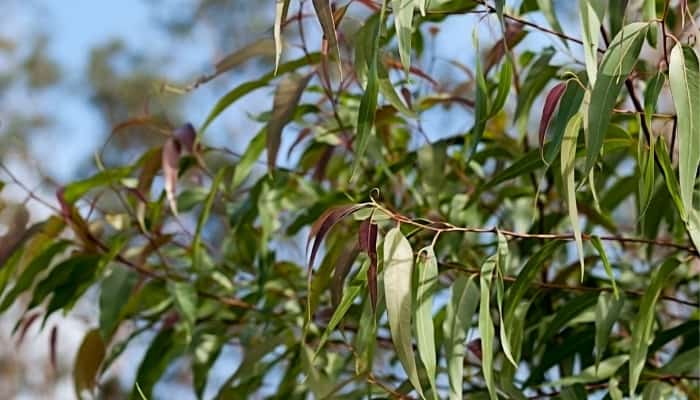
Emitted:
<point x="27" y="323"/>
<point x="321" y="227"/>
<point x="368" y="244"/>
<point x="171" y="161"/>
<point x="549" y="105"/>
<point x="474" y="347"/>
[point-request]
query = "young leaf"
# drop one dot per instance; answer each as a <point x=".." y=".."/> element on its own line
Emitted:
<point x="550" y="104"/>
<point x="505" y="81"/>
<point x="460" y="309"/>
<point x="486" y="329"/>
<point x="568" y="161"/>
<point x="684" y="77"/>
<point x="186" y="298"/>
<point x="368" y="244"/>
<point x="164" y="348"/>
<point x="87" y="362"/>
<point x="171" y="162"/>
<point x="605" y="370"/>
<point x="617" y="63"/>
<point x="425" y="332"/>
<point x="607" y="313"/>
<point x="642" y="327"/>
<point x="281" y="8"/>
<point x="569" y="105"/>
<point x="398" y="270"/>
<point x="286" y="99"/>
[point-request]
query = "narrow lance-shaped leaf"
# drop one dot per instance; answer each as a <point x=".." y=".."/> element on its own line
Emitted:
<point x="569" y="105"/>
<point x="464" y="298"/>
<point x="284" y="103"/>
<point x="398" y="271"/>
<point x="425" y="332"/>
<point x="617" y="63"/>
<point x="649" y="11"/>
<point x="171" y="161"/>
<point x="325" y="18"/>
<point x="605" y="370"/>
<point x="368" y="102"/>
<point x="403" y="20"/>
<point x="651" y="95"/>
<point x="281" y="8"/>
<point x="501" y="268"/>
<point x="481" y="108"/>
<point x="662" y="155"/>
<point x="607" y="313"/>
<point x="598" y="244"/>
<point x="591" y="13"/>
<point x="642" y="327"/>
<point x="550" y="103"/>
<point x="505" y="81"/>
<point x="486" y="329"/>
<point x="368" y="244"/>
<point x="684" y="77"/>
<point x="568" y="163"/>
<point x="262" y="47"/>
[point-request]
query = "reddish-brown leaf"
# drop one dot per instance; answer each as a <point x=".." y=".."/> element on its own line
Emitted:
<point x="368" y="244"/>
<point x="171" y="161"/>
<point x="52" y="346"/>
<point x="340" y="272"/>
<point x="26" y="324"/>
<point x="151" y="166"/>
<point x="550" y="104"/>
<point x="474" y="347"/>
<point x="301" y="136"/>
<point x="513" y="35"/>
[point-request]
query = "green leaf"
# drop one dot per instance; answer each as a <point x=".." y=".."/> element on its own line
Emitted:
<point x="662" y="155"/>
<point x="164" y="348"/>
<point x="403" y="20"/>
<point x="366" y="338"/>
<point x="568" y="167"/>
<point x="284" y="104"/>
<point x="646" y="173"/>
<point x="539" y="74"/>
<point x="116" y="287"/>
<point x="598" y="244"/>
<point x="651" y="95"/>
<point x="248" y="159"/>
<point x="566" y="313"/>
<point x="185" y="296"/>
<point x="486" y="329"/>
<point x="425" y="332"/>
<point x="398" y="270"/>
<point x="41" y="263"/>
<point x="368" y="102"/>
<point x="281" y="8"/>
<point x="684" y="77"/>
<point x="481" y="107"/>
<point x="206" y="350"/>
<point x="87" y="363"/>
<point x="617" y="63"/>
<point x="683" y="363"/>
<point x="346" y="301"/>
<point x="607" y="313"/>
<point x="505" y="81"/>
<point x="262" y="47"/>
<point x="591" y="14"/>
<point x="501" y="266"/>
<point x="460" y="309"/>
<point x="643" y="325"/>
<point x="605" y="370"/>
<point x="318" y="382"/>
<point x="197" y="262"/>
<point x="76" y="190"/>
<point x="649" y="14"/>
<point x="247" y="87"/>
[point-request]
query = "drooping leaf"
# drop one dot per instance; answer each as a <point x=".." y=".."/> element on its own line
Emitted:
<point x="425" y="332"/>
<point x="87" y="362"/>
<point x="325" y="18"/>
<point x="598" y="244"/>
<point x="206" y="349"/>
<point x="262" y="47"/>
<point x="547" y="8"/>
<point x="116" y="287"/>
<point x="398" y="272"/>
<point x="247" y="87"/>
<point x="568" y="166"/>
<point x="643" y="325"/>
<point x="284" y="103"/>
<point x="464" y="298"/>
<point x="197" y="262"/>
<point x="171" y="163"/>
<point x="164" y="348"/>
<point x="672" y="185"/>
<point x="651" y="95"/>
<point x="646" y="173"/>
<point x="569" y="105"/>
<point x="538" y="75"/>
<point x="403" y="20"/>
<point x="76" y="190"/>
<point x="186" y="299"/>
<point x="248" y="159"/>
<point x="607" y="313"/>
<point x="550" y="104"/>
<point x="481" y="109"/>
<point x="591" y="13"/>
<point x="618" y="61"/>
<point x="486" y="329"/>
<point x="684" y="77"/>
<point x="368" y="244"/>
<point x="502" y="265"/>
<point x="505" y="82"/>
<point x="649" y="11"/>
<point x="281" y="8"/>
